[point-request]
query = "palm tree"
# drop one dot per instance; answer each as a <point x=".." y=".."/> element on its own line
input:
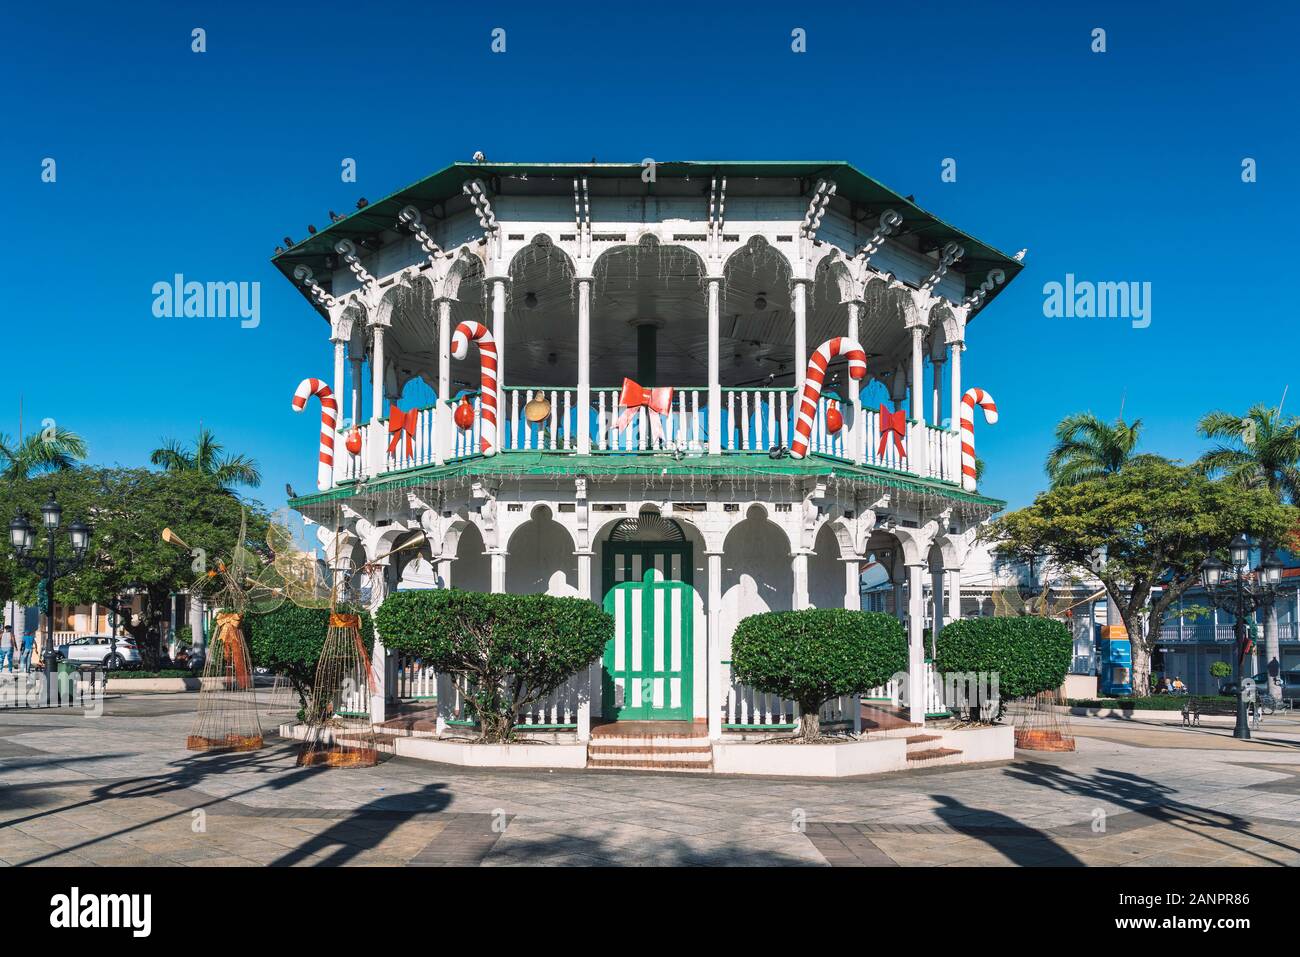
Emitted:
<point x="209" y="457"/>
<point x="1258" y="450"/>
<point x="1262" y="450"/>
<point x="55" y="449"/>
<point x="1088" y="448"/>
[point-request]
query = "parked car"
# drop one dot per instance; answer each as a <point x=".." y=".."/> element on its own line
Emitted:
<point x="1290" y="684"/>
<point x="100" y="650"/>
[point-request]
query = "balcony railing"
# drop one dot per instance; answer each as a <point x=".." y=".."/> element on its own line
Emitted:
<point x="753" y="421"/>
<point x="1207" y="631"/>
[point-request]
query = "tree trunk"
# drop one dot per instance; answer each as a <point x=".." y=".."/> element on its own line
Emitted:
<point x="1272" y="651"/>
<point x="810" y="723"/>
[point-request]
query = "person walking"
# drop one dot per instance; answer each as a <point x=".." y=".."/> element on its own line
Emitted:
<point x="7" y="649"/>
<point x="28" y="646"/>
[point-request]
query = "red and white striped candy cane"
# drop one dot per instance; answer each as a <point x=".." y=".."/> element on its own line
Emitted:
<point x="972" y="398"/>
<point x="812" y="386"/>
<point x="487" y="361"/>
<point x="329" y="409"/>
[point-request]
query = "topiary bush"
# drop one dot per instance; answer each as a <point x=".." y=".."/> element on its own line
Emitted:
<point x="816" y="654"/>
<point x="1028" y="654"/>
<point x="289" y="641"/>
<point x="514" y="649"/>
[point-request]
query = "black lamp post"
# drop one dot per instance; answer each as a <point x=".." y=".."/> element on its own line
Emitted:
<point x="1241" y="590"/>
<point x="22" y="536"/>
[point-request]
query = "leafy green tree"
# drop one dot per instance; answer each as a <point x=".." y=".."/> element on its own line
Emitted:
<point x="1147" y="526"/>
<point x="1086" y="447"/>
<point x="128" y="509"/>
<point x="1220" y="670"/>
<point x="50" y="450"/>
<point x="1027" y="653"/>
<point x="816" y="654"/>
<point x="514" y="649"/>
<point x="289" y="641"/>
<point x="208" y="457"/>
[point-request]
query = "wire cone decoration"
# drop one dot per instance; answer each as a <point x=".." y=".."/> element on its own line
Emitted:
<point x="1043" y="726"/>
<point x="227" y="718"/>
<point x="339" y="732"/>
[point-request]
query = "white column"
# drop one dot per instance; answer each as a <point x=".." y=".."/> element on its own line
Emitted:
<point x="915" y="401"/>
<point x="799" y="562"/>
<point x="852" y="584"/>
<point x="954" y="386"/>
<point x="444" y="573"/>
<point x="498" y="558"/>
<point x="442" y="423"/>
<point x="378" y="681"/>
<point x="340" y="356"/>
<point x="584" y="368"/>
<point x="954" y="594"/>
<point x="377" y="376"/>
<point x="715" y="381"/>
<point x="586" y="695"/>
<point x="857" y="440"/>
<point x="499" y="332"/>
<point x="94" y="618"/>
<point x="800" y="303"/>
<point x="714" y="611"/>
<point x="915" y="645"/>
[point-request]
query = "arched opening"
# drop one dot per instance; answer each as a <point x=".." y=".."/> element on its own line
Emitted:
<point x="756" y="573"/>
<point x="472" y="570"/>
<point x="541" y="558"/>
<point x="826" y="576"/>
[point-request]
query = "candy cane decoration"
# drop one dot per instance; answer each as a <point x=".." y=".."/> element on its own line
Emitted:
<point x="329" y="408"/>
<point x="812" y="386"/>
<point x="972" y="398"/>
<point x="487" y="362"/>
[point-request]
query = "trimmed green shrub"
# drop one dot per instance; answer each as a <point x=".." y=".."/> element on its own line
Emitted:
<point x="165" y="673"/>
<point x="1028" y="654"/>
<point x="1220" y="670"/>
<point x="1156" y="702"/>
<point x="816" y="654"/>
<point x="513" y="649"/>
<point x="184" y="636"/>
<point x="289" y="641"/>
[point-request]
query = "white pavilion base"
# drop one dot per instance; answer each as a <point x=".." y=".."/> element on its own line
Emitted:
<point x="874" y="754"/>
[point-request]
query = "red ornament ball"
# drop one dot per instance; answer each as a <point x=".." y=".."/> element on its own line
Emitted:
<point x="834" y="419"/>
<point x="353" y="443"/>
<point x="464" y="414"/>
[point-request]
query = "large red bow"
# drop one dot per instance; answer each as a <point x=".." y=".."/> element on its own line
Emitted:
<point x="658" y="401"/>
<point x="895" y="424"/>
<point x="399" y="422"/>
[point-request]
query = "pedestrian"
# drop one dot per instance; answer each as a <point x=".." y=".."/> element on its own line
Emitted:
<point x="28" y="646"/>
<point x="7" y="649"/>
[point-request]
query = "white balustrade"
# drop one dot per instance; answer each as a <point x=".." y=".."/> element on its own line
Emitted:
<point x="415" y="680"/>
<point x="557" y="431"/>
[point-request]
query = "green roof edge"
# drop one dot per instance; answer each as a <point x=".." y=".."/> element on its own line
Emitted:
<point x="526" y="464"/>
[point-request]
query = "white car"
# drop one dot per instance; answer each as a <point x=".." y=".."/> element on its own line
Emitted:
<point x="100" y="650"/>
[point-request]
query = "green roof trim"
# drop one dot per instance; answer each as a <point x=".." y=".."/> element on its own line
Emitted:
<point x="533" y="464"/>
<point x="852" y="184"/>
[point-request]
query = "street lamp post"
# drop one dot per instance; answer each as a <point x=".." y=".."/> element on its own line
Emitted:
<point x="22" y="536"/>
<point x="1241" y="590"/>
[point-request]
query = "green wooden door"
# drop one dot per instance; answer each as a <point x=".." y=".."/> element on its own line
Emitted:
<point x="647" y="673"/>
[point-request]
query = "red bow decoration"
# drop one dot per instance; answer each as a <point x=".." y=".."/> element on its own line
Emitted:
<point x="895" y="424"/>
<point x="399" y="422"/>
<point x="658" y="401"/>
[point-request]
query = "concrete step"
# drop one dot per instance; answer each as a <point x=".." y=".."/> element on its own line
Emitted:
<point x="657" y="741"/>
<point x="934" y="756"/>
<point x="629" y="763"/>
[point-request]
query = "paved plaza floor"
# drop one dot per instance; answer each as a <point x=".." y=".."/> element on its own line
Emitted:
<point x="120" y="789"/>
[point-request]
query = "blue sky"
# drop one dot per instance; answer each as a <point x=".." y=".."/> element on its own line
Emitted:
<point x="1122" y="166"/>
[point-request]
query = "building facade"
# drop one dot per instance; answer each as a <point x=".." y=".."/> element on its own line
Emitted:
<point x="689" y="392"/>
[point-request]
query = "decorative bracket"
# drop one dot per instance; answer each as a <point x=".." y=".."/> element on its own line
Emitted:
<point x="410" y="218"/>
<point x="348" y="251"/>
<point x="307" y="278"/>
<point x="889" y="222"/>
